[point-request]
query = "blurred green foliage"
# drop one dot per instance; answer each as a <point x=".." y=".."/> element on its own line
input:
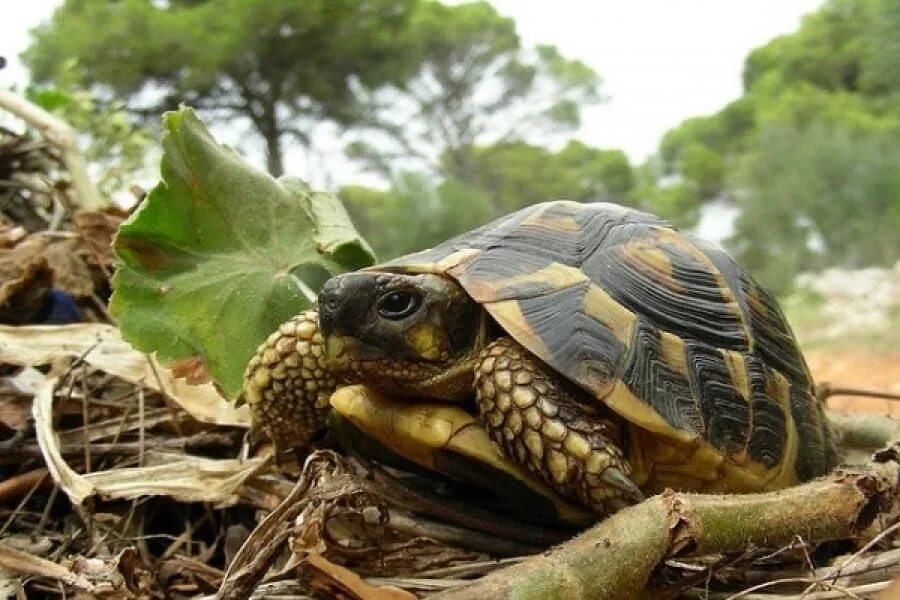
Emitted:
<point x="282" y="65"/>
<point x="465" y="122"/>
<point x="819" y="196"/>
<point x="415" y="213"/>
<point x="420" y="209"/>
<point x="115" y="146"/>
<point x="810" y="153"/>
<point x="287" y="67"/>
<point x="518" y="174"/>
<point x="475" y="84"/>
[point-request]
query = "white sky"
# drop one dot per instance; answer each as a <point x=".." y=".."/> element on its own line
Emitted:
<point x="661" y="60"/>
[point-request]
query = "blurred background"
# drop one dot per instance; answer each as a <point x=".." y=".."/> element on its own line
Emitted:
<point x="771" y="127"/>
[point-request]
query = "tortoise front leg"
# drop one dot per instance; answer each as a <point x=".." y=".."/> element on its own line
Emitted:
<point x="287" y="383"/>
<point x="541" y="425"/>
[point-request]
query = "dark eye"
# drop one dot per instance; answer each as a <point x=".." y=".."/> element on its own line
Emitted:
<point x="398" y="305"/>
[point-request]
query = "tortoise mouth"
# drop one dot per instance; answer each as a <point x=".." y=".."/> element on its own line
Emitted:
<point x="352" y="356"/>
<point x="355" y="361"/>
<point x="365" y="363"/>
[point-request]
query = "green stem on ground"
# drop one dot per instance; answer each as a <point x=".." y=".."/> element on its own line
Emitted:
<point x="616" y="558"/>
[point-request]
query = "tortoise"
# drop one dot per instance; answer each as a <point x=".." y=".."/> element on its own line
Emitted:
<point x="605" y="353"/>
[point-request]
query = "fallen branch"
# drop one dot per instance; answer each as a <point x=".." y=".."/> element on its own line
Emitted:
<point x="864" y="430"/>
<point x="19" y="485"/>
<point x="204" y="441"/>
<point x="21" y="563"/>
<point x="264" y="543"/>
<point x="826" y="390"/>
<point x="616" y="558"/>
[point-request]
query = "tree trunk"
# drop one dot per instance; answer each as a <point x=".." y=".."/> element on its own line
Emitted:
<point x="274" y="156"/>
<point x="271" y="131"/>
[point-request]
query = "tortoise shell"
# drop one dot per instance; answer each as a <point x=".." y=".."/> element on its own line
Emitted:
<point x="667" y="331"/>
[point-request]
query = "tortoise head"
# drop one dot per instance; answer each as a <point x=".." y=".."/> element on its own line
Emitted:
<point x="410" y="334"/>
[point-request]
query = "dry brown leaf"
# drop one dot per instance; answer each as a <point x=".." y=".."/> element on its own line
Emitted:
<point x="97" y="229"/>
<point x="24" y="289"/>
<point x="11" y="233"/>
<point x="16" y="392"/>
<point x="27" y="381"/>
<point x="102" y="347"/>
<point x="892" y="591"/>
<point x="117" y="575"/>
<point x="10" y="585"/>
<point x="112" y="577"/>
<point x="73" y="484"/>
<point x="137" y="577"/>
<point x="193" y="370"/>
<point x="14" y="411"/>
<point x="183" y="477"/>
<point x="69" y="271"/>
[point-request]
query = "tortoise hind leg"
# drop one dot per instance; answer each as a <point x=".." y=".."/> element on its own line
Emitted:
<point x="542" y="425"/>
<point x="287" y="383"/>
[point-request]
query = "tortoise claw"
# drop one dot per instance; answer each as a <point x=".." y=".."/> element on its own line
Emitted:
<point x="615" y="478"/>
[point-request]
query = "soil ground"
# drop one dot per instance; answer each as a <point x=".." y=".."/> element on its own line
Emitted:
<point x="848" y="325"/>
<point x="859" y="368"/>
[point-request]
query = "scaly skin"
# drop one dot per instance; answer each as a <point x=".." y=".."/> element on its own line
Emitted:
<point x="542" y="426"/>
<point x="288" y="383"/>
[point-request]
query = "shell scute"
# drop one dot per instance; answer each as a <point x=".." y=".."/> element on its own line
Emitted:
<point x="650" y="377"/>
<point x="769" y="432"/>
<point x="726" y="415"/>
<point x="668" y="282"/>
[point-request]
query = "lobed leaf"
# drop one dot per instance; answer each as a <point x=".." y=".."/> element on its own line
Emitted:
<point x="220" y="253"/>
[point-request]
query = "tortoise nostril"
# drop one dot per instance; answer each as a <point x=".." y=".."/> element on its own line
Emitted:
<point x="328" y="296"/>
<point x="330" y="306"/>
<point x="344" y="301"/>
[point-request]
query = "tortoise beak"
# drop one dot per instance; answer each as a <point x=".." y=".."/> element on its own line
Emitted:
<point x="344" y="302"/>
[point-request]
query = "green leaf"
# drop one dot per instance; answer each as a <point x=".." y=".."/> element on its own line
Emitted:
<point x="219" y="254"/>
<point x="48" y="98"/>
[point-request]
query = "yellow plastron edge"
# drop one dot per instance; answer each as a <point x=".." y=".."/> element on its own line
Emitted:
<point x="416" y="430"/>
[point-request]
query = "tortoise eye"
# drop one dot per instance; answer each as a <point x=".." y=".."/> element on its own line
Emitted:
<point x="398" y="305"/>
